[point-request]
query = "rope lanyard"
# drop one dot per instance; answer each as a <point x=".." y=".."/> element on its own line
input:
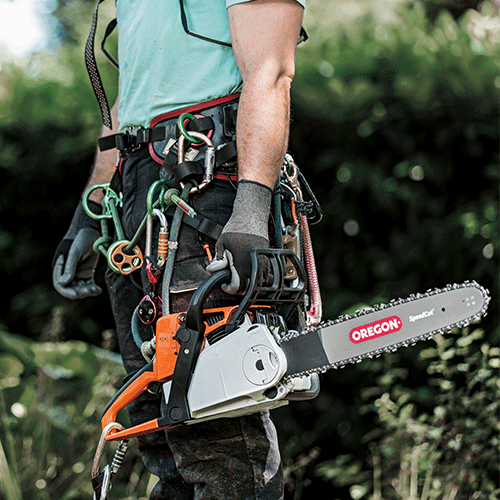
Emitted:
<point x="95" y="77"/>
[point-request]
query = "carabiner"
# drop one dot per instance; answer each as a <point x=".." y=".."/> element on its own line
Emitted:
<point x="106" y="212"/>
<point x="209" y="159"/>
<point x="150" y="204"/>
<point x="182" y="129"/>
<point x="292" y="178"/>
<point x="108" y="471"/>
<point x="100" y="445"/>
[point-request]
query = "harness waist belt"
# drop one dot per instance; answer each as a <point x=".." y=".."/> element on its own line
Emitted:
<point x="131" y="139"/>
<point x="217" y="117"/>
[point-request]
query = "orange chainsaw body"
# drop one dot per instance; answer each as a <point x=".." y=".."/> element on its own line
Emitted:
<point x="158" y="371"/>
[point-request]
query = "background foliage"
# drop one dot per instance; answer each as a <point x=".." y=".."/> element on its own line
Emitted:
<point x="395" y="125"/>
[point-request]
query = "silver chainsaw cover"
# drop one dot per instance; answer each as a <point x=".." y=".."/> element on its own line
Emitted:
<point x="238" y="375"/>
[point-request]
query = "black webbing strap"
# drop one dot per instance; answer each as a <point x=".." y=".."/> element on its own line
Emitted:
<point x="126" y="140"/>
<point x="201" y="224"/>
<point x="225" y="153"/>
<point x="95" y="77"/>
<point x="97" y="484"/>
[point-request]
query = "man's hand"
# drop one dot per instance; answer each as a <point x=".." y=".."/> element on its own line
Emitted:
<point x="74" y="262"/>
<point x="246" y="229"/>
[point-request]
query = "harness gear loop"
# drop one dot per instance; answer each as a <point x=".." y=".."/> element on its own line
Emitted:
<point x="209" y="160"/>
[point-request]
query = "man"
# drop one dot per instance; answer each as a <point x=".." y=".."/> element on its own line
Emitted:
<point x="163" y="68"/>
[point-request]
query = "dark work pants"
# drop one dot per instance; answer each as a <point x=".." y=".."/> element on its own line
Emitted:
<point x="225" y="459"/>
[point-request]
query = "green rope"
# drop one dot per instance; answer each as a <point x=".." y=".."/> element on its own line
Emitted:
<point x="172" y="248"/>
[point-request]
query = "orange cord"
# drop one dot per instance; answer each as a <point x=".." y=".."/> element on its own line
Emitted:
<point x="207" y="249"/>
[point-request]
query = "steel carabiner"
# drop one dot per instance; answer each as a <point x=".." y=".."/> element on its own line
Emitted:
<point x="292" y="178"/>
<point x="108" y="471"/>
<point x="209" y="159"/>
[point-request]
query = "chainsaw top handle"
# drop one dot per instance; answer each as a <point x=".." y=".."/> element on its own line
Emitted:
<point x="276" y="290"/>
<point x="194" y="313"/>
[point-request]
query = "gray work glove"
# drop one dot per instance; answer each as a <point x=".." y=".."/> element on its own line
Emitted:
<point x="246" y="229"/>
<point x="74" y="262"/>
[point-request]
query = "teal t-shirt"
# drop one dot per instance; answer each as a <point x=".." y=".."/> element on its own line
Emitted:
<point x="161" y="67"/>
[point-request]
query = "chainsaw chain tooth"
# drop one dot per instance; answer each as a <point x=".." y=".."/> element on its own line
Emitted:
<point x="407" y="343"/>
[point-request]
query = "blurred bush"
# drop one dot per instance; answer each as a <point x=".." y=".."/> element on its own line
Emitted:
<point x="449" y="452"/>
<point x="51" y="399"/>
<point x="49" y="122"/>
<point x="395" y="124"/>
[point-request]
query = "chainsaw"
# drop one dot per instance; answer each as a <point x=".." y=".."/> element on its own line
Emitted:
<point x="259" y="355"/>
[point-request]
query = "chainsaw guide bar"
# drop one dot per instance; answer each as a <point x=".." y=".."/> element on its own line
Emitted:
<point x="383" y="328"/>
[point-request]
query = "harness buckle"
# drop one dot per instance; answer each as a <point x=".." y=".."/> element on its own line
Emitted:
<point x="131" y="139"/>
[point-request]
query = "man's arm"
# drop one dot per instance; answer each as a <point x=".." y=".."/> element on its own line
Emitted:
<point x="105" y="161"/>
<point x="75" y="260"/>
<point x="264" y="35"/>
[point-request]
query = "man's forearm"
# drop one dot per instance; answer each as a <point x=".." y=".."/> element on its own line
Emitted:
<point x="262" y="129"/>
<point x="105" y="162"/>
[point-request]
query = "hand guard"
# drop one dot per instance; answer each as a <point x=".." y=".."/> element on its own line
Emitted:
<point x="246" y="229"/>
<point x="74" y="262"/>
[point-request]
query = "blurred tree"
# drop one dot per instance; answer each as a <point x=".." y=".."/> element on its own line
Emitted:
<point x="49" y="122"/>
